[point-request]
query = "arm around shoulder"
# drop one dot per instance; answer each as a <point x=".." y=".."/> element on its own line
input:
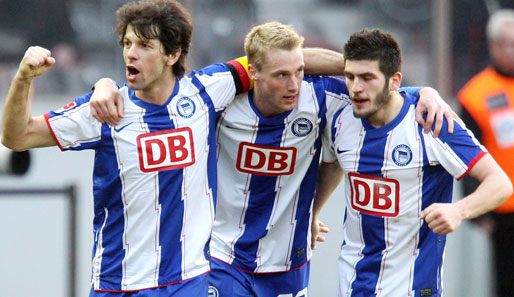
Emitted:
<point x="320" y="61"/>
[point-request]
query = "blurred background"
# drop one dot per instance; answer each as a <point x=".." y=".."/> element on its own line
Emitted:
<point x="46" y="214"/>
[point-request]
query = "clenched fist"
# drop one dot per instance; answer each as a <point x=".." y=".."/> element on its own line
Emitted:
<point x="37" y="60"/>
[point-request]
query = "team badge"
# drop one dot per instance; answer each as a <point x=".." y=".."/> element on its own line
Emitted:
<point x="186" y="107"/>
<point x="402" y="155"/>
<point x="301" y="127"/>
<point x="213" y="292"/>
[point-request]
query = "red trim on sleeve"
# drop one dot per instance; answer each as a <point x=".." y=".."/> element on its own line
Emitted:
<point x="242" y="71"/>
<point x="473" y="163"/>
<point x="47" y="118"/>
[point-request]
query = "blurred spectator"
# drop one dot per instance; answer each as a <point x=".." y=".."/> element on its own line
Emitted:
<point x="488" y="110"/>
<point x="29" y="22"/>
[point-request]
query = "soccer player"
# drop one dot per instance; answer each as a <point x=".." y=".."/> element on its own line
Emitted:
<point x="154" y="178"/>
<point x="269" y="144"/>
<point x="399" y="181"/>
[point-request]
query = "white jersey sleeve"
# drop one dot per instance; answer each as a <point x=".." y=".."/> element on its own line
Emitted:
<point x="73" y="126"/>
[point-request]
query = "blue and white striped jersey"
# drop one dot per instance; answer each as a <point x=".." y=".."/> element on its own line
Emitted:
<point x="392" y="174"/>
<point x="154" y="179"/>
<point x="267" y="173"/>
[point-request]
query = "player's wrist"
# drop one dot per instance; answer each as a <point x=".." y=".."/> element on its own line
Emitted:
<point x="22" y="77"/>
<point x="462" y="210"/>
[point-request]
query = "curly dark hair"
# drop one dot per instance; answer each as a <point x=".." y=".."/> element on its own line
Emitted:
<point x="375" y="45"/>
<point x="166" y="20"/>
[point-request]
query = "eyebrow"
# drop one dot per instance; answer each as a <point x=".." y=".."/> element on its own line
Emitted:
<point x="361" y="74"/>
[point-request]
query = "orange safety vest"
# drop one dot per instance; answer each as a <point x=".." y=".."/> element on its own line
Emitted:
<point x="489" y="98"/>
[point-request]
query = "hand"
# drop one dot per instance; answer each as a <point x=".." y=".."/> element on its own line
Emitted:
<point x="106" y="103"/>
<point x="317" y="227"/>
<point x="443" y="218"/>
<point x="435" y="107"/>
<point x="36" y="61"/>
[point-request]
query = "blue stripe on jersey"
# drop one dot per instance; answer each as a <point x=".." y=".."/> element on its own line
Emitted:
<point x="211" y="140"/>
<point x="107" y="192"/>
<point x="436" y="187"/>
<point x="308" y="187"/>
<point x="373" y="227"/>
<point x="213" y="116"/>
<point x="262" y="193"/>
<point x="157" y="118"/>
<point x="467" y="149"/>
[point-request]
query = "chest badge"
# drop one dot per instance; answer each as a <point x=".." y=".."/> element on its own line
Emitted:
<point x="186" y="107"/>
<point x="301" y="127"/>
<point x="402" y="155"/>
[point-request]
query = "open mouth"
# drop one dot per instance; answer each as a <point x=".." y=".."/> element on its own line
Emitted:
<point x="132" y="71"/>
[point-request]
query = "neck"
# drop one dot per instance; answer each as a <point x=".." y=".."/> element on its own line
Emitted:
<point x="262" y="106"/>
<point x="158" y="93"/>
<point x="388" y="111"/>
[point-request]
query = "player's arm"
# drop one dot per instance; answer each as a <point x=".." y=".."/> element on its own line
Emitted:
<point x="495" y="187"/>
<point x="329" y="176"/>
<point x="106" y="103"/>
<point x="320" y="61"/>
<point x="436" y="109"/>
<point x="21" y="131"/>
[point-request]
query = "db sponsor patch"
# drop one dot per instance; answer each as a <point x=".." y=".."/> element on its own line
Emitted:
<point x="375" y="195"/>
<point x="265" y="160"/>
<point x="170" y="149"/>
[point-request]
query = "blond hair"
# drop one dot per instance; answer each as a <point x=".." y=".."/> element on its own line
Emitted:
<point x="267" y="36"/>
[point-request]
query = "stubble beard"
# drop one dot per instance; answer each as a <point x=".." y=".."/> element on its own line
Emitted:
<point x="380" y="100"/>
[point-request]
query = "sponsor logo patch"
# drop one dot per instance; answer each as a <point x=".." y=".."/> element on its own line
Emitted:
<point x="265" y="160"/>
<point x="375" y="195"/>
<point x="170" y="149"/>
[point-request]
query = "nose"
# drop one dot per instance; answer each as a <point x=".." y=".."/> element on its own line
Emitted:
<point x="356" y="86"/>
<point x="294" y="83"/>
<point x="131" y="52"/>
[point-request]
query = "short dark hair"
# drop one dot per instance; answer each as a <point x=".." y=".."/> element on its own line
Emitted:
<point x="375" y="45"/>
<point x="166" y="20"/>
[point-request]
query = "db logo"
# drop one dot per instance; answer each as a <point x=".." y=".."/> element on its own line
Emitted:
<point x="375" y="195"/>
<point x="265" y="160"/>
<point x="168" y="149"/>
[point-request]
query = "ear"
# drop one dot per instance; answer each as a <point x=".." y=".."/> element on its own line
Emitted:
<point x="395" y="81"/>
<point x="252" y="72"/>
<point x="173" y="57"/>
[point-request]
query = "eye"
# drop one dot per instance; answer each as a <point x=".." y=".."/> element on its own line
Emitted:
<point x="127" y="43"/>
